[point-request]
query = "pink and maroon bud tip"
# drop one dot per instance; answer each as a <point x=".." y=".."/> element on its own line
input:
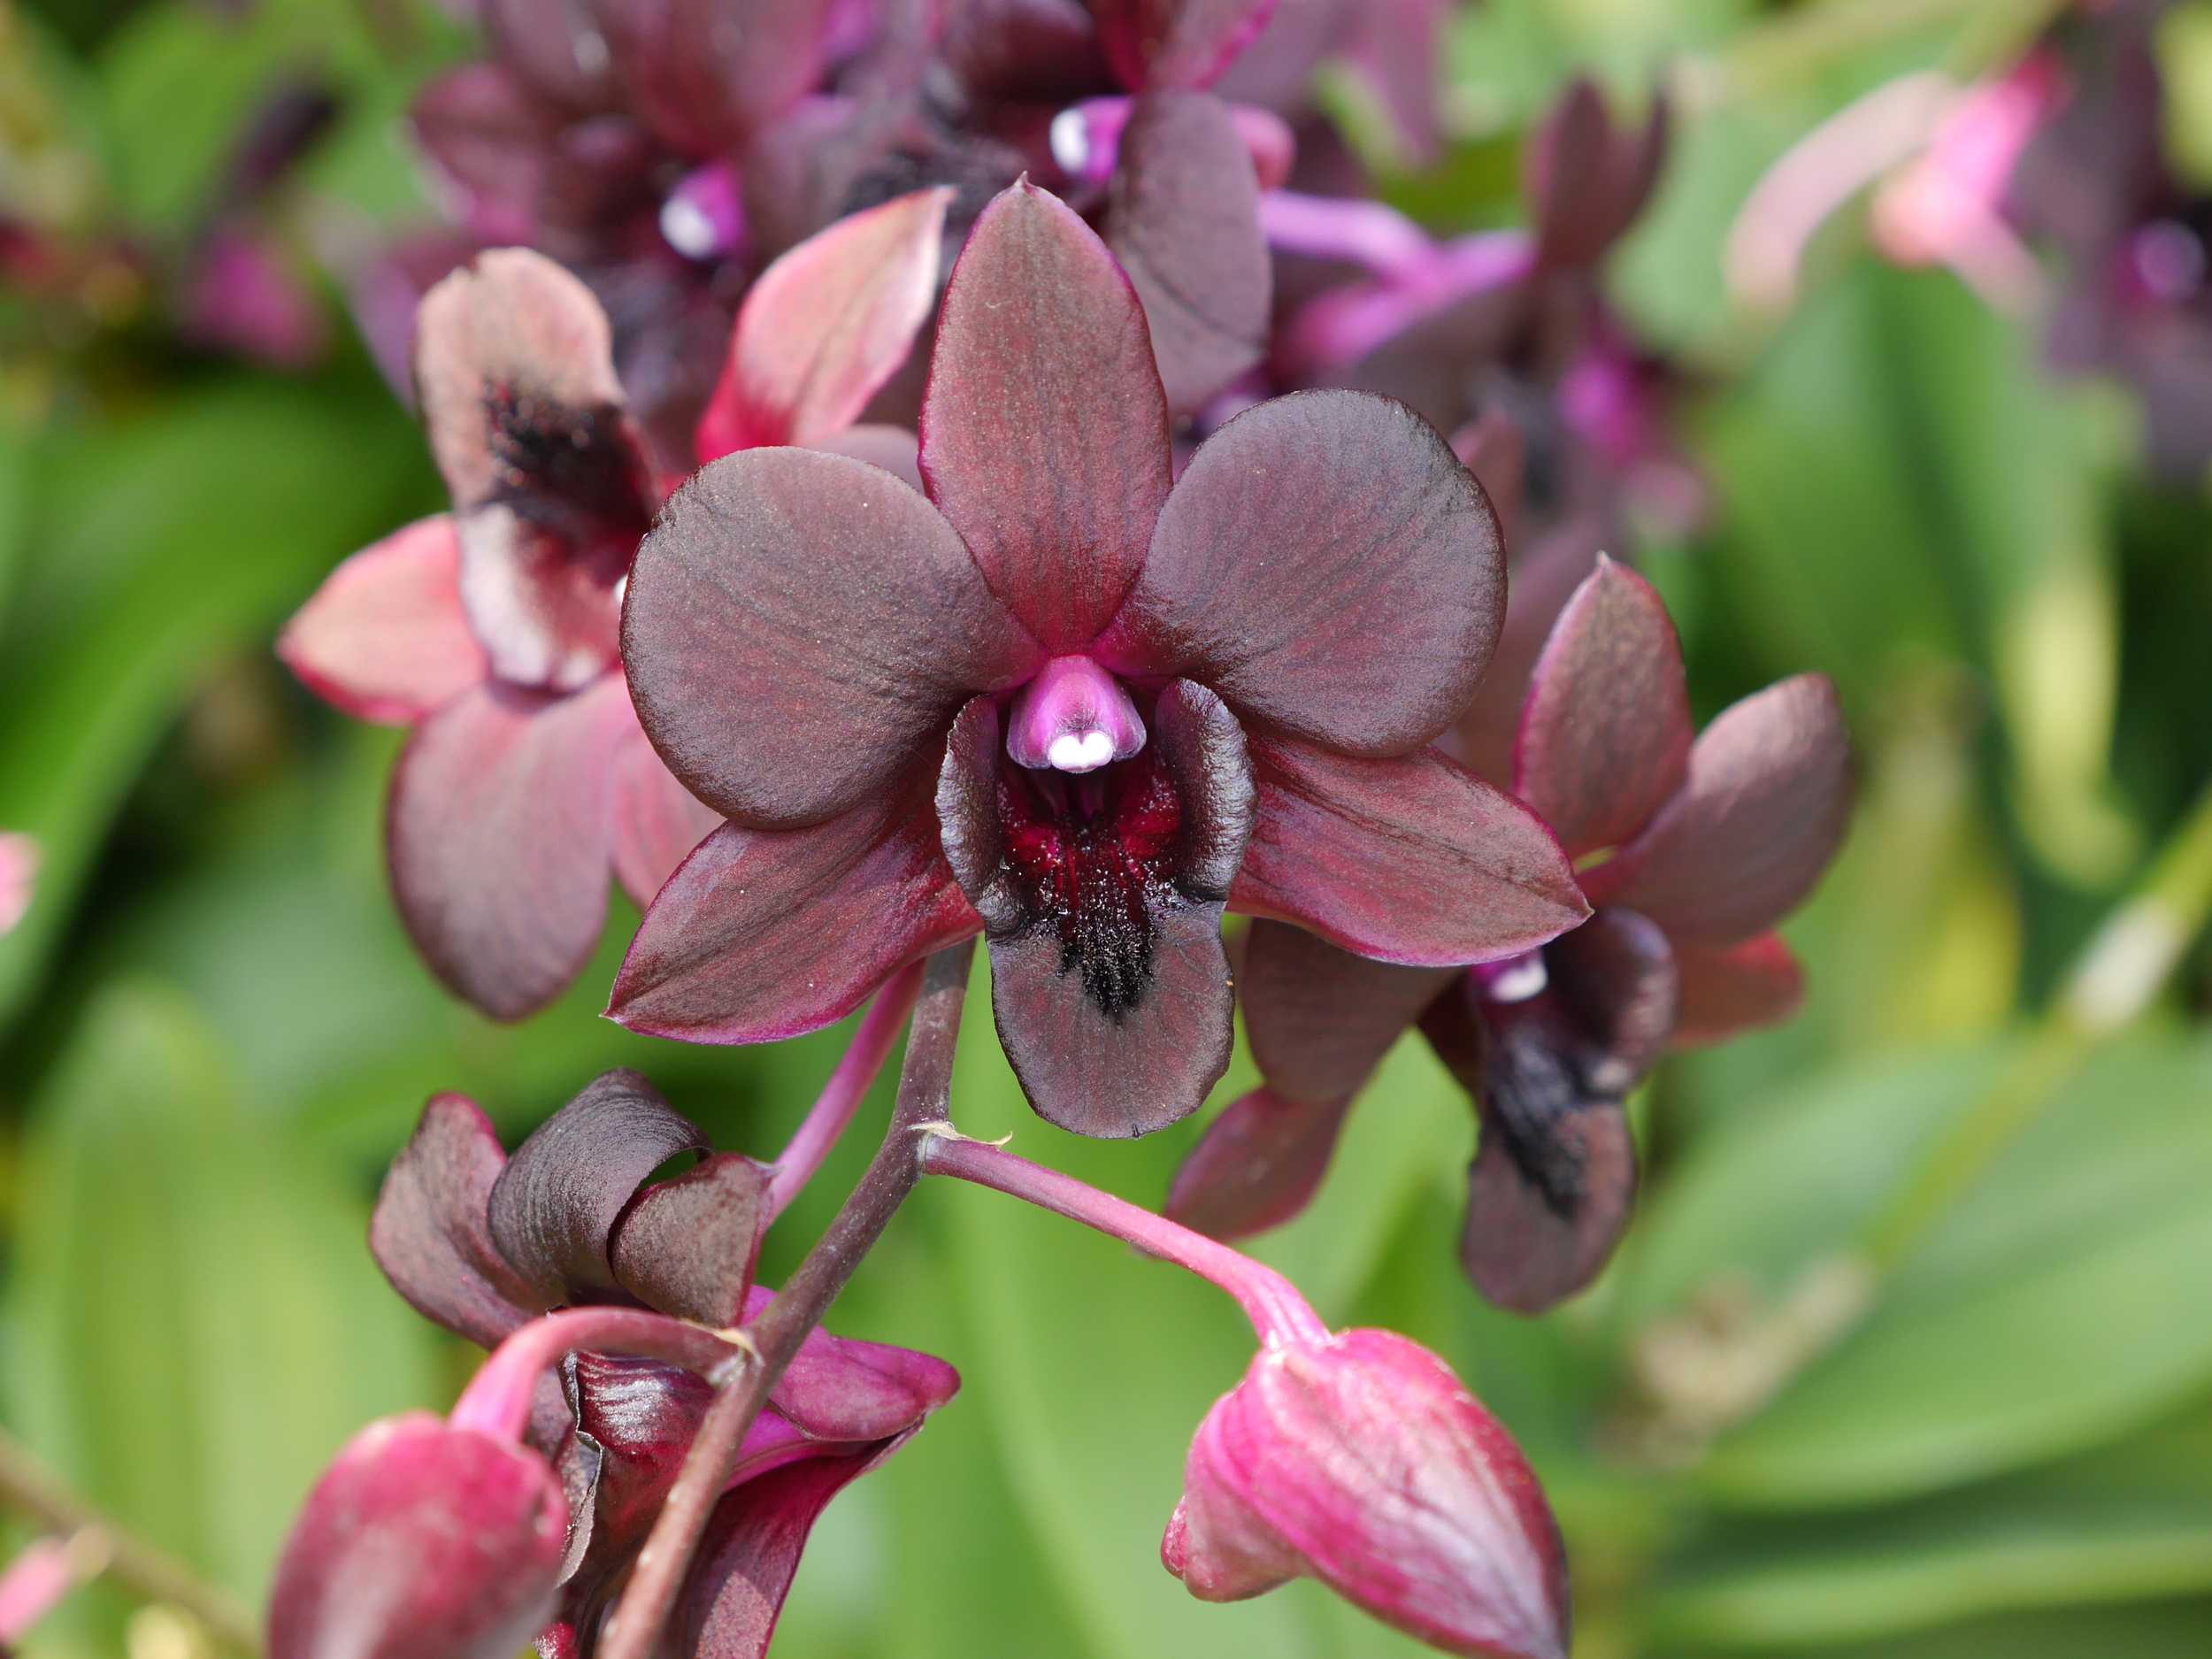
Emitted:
<point x="421" y="1541"/>
<point x="1360" y="1460"/>
<point x="1074" y="717"/>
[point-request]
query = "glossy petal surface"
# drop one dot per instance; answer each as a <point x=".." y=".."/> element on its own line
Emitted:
<point x="384" y="637"/>
<point x="1412" y="860"/>
<point x="1183" y="219"/>
<point x="1726" y="989"/>
<point x="825" y="325"/>
<point x="799" y="628"/>
<point x="1257" y="1165"/>
<point x="421" y="1542"/>
<point x="554" y="1207"/>
<point x="1045" y="429"/>
<point x="1176" y="42"/>
<point x="1328" y="566"/>
<point x="1320" y="1020"/>
<point x="498" y="839"/>
<point x="1606" y="731"/>
<point x="1750" y="832"/>
<point x="764" y="934"/>
<point x="429" y="1232"/>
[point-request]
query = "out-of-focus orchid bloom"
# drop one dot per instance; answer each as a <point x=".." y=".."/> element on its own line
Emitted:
<point x="1068" y="704"/>
<point x="486" y="1245"/>
<point x="245" y="297"/>
<point x="1390" y="44"/>
<point x="1691" y="850"/>
<point x="41" y="1574"/>
<point x="492" y="631"/>
<point x="19" y="877"/>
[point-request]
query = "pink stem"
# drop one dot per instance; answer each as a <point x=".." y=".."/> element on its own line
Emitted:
<point x="848" y="1086"/>
<point x="1277" y="1312"/>
<point x="497" y="1400"/>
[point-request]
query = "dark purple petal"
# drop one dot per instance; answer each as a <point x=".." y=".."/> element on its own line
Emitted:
<point x="1045" y="429"/>
<point x="556" y="1203"/>
<point x="1102" y="897"/>
<point x="421" y="1542"/>
<point x="1393" y="44"/>
<point x="1025" y="49"/>
<point x="1586" y="180"/>
<point x="799" y="629"/>
<point x="1726" y="989"/>
<point x="826" y="326"/>
<point x="1257" y="1165"/>
<point x="430" y="1234"/>
<point x="384" y="637"/>
<point x="1544" y="577"/>
<point x="1517" y="1247"/>
<point x="1412" y="860"/>
<point x="1751" y="830"/>
<point x="1183" y="219"/>
<point x="1328" y="566"/>
<point x="656" y="820"/>
<point x="1180" y="43"/>
<point x="1320" y="1020"/>
<point x="498" y="838"/>
<point x="749" y="1553"/>
<point x="687" y="1246"/>
<point x="1493" y="447"/>
<point x="1605" y="734"/>
<point x="706" y="72"/>
<point x="492" y="138"/>
<point x="762" y="935"/>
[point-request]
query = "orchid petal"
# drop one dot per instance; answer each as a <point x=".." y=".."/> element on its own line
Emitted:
<point x="1184" y="221"/>
<point x="749" y="1555"/>
<point x="1045" y="429"/>
<point x="799" y="627"/>
<point x="656" y="820"/>
<point x="499" y="841"/>
<point x="1605" y="734"/>
<point x="429" y="1232"/>
<point x="1737" y="987"/>
<point x="893" y="449"/>
<point x="840" y="1391"/>
<point x="1256" y="1166"/>
<point x="486" y="132"/>
<point x="1320" y="1020"/>
<point x="1519" y="1251"/>
<point x="686" y="1246"/>
<point x="762" y="935"/>
<point x="554" y="1207"/>
<point x="1328" y="566"/>
<point x="1587" y="180"/>
<point x="1753" y="827"/>
<point x="707" y="74"/>
<point x="1176" y="44"/>
<point x="1412" y="860"/>
<point x="385" y="638"/>
<point x="826" y="326"/>
<point x="1544" y="577"/>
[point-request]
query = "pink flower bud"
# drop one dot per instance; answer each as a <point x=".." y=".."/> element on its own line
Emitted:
<point x="1361" y="1461"/>
<point x="421" y="1541"/>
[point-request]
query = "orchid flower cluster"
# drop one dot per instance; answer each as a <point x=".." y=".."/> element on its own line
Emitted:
<point x="1189" y="600"/>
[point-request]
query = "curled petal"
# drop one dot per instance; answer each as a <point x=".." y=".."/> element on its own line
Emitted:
<point x="555" y="1205"/>
<point x="1045" y="429"/>
<point x="764" y="934"/>
<point x="1184" y="220"/>
<point x="1328" y="566"/>
<point x="1257" y="1165"/>
<point x="1754" y="826"/>
<point x="799" y="627"/>
<point x="686" y="1246"/>
<point x="384" y="637"/>
<point x="1605" y="734"/>
<point x="825" y="325"/>
<point x="1411" y="860"/>
<point x="1176" y="42"/>
<point x="430" y="1234"/>
<point x="1735" y="987"/>
<point x="1320" y="1020"/>
<point x="656" y="820"/>
<point x="498" y="839"/>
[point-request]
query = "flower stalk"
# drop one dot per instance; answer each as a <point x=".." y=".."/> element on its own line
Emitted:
<point x="824" y="1123"/>
<point x="773" y="1338"/>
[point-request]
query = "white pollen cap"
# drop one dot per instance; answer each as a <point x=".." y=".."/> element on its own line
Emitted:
<point x="1079" y="751"/>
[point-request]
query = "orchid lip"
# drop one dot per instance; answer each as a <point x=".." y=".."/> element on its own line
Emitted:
<point x="1074" y="717"/>
<point x="704" y="217"/>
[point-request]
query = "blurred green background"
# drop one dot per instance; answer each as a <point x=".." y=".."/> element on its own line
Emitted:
<point x="214" y="1036"/>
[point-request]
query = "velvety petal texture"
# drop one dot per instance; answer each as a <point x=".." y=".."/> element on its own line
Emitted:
<point x="498" y="836"/>
<point x="1256" y="1166"/>
<point x="688" y="1245"/>
<point x="429" y="1232"/>
<point x="420" y="1541"/>
<point x="1753" y="827"/>
<point x="826" y="326"/>
<point x="1183" y="219"/>
<point x="1412" y="860"/>
<point x="1045" y="429"/>
<point x="1606" y="729"/>
<point x="1329" y="567"/>
<point x="385" y="638"/>
<point x="799" y="628"/>
<point x="1361" y="1461"/>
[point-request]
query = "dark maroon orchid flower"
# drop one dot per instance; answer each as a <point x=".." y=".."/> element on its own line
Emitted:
<point x="1065" y="704"/>
<point x="483" y="1244"/>
<point x="1700" y="846"/>
<point x="1359" y="1459"/>
<point x="492" y="631"/>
